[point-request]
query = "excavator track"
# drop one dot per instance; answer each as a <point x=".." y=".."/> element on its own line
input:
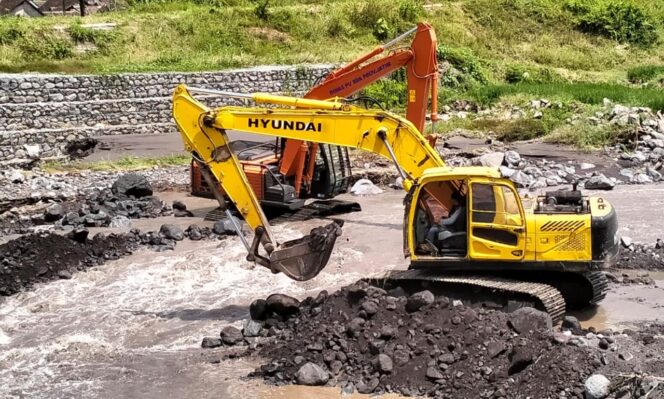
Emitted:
<point x="600" y="285"/>
<point x="548" y="297"/>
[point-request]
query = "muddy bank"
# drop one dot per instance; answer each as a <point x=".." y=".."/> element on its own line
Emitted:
<point x="365" y="339"/>
<point x="39" y="258"/>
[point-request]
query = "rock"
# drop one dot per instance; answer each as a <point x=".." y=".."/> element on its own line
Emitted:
<point x="312" y="374"/>
<point x="529" y="319"/>
<point x="32" y="150"/>
<point x="64" y="274"/>
<point x="370" y="307"/>
<point x="521" y="179"/>
<point x="54" y="212"/>
<point x="419" y="299"/>
<point x="599" y="182"/>
<point x="597" y="387"/>
<point x="397" y="292"/>
<point x="283" y="305"/>
<point x="507" y="172"/>
<point x="16" y="176"/>
<point x="495" y="348"/>
<point x="179" y="205"/>
<point x="258" y="310"/>
<point x="182" y="214"/>
<point x="225" y="226"/>
<point x="641" y="178"/>
<point x="383" y="364"/>
<point x="586" y="166"/>
<point x="433" y="373"/>
<point x="251" y="328"/>
<point x="78" y="235"/>
<point x="655" y="175"/>
<point x="120" y="221"/>
<point x="210" y="342"/>
<point x="132" y="185"/>
<point x="194" y="232"/>
<point x="492" y="159"/>
<point x="365" y="187"/>
<point x="572" y="324"/>
<point x="512" y="158"/>
<point x="231" y="335"/>
<point x="626" y="241"/>
<point x="172" y="232"/>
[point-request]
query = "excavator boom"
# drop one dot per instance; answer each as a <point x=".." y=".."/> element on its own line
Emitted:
<point x="204" y="134"/>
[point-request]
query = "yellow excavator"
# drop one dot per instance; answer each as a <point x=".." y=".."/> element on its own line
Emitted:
<point x="463" y="226"/>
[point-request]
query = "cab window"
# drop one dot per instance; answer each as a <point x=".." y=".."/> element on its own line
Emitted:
<point x="495" y="203"/>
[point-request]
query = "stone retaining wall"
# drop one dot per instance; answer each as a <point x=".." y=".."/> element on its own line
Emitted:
<point x="52" y="110"/>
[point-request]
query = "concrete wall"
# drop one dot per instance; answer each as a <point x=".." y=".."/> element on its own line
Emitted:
<point x="53" y="110"/>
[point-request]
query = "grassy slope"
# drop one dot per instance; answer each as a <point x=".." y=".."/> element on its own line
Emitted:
<point x="186" y="36"/>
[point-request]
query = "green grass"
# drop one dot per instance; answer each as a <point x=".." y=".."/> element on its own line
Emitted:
<point x="125" y="163"/>
<point x="487" y="40"/>
<point x="645" y="73"/>
<point x="587" y="93"/>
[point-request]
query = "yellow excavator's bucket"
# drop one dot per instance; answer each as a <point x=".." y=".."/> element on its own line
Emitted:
<point x="302" y="259"/>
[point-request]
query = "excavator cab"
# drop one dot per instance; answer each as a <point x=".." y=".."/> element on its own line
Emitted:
<point x="466" y="215"/>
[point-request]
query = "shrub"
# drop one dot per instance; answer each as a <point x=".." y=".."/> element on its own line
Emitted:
<point x="644" y="73"/>
<point x="11" y="30"/>
<point x="622" y="21"/>
<point x="519" y="73"/>
<point x="391" y="94"/>
<point x="262" y="10"/>
<point x="337" y="26"/>
<point x="45" y="46"/>
<point x="464" y="60"/>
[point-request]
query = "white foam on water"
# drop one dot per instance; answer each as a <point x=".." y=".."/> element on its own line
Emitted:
<point x="146" y="303"/>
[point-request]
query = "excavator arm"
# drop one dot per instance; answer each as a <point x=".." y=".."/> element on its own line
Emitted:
<point x="421" y="65"/>
<point x="204" y="134"/>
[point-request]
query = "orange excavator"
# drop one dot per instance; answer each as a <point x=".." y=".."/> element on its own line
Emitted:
<point x="285" y="172"/>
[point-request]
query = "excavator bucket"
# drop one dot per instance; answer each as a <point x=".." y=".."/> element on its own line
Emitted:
<point x="304" y="258"/>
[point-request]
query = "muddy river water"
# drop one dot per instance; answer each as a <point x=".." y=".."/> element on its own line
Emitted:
<point x="133" y="327"/>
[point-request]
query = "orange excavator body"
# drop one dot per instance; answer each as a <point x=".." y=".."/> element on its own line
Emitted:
<point x="297" y="159"/>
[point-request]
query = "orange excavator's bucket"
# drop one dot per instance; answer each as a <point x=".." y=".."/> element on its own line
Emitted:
<point x="302" y="259"/>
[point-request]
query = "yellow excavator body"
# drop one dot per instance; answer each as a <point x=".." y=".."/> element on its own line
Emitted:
<point x="459" y="220"/>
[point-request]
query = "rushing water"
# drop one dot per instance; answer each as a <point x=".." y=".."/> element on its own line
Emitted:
<point x="142" y="318"/>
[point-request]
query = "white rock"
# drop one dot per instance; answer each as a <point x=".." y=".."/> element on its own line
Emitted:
<point x="365" y="187"/>
<point x="492" y="159"/>
<point x="33" y="150"/>
<point x="15" y="176"/>
<point x="586" y="165"/>
<point x="597" y="387"/>
<point x="506" y="172"/>
<point x="626" y="241"/>
<point x="512" y="158"/>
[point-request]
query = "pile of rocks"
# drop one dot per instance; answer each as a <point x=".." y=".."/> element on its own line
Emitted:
<point x="641" y="256"/>
<point x="90" y="200"/>
<point x="365" y="339"/>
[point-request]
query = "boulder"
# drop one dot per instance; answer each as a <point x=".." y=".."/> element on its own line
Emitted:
<point x="419" y="299"/>
<point x="54" y="213"/>
<point x="572" y="324"/>
<point x="179" y="205"/>
<point x="225" y="226"/>
<point x="512" y="158"/>
<point x="172" y="232"/>
<point x="529" y="319"/>
<point x="597" y="386"/>
<point x="383" y="364"/>
<point x="312" y="374"/>
<point x="120" y="221"/>
<point x="258" y="310"/>
<point x="210" y="342"/>
<point x="194" y="232"/>
<point x="365" y="187"/>
<point x="132" y="185"/>
<point x="15" y="176"/>
<point x="521" y="179"/>
<point x="78" y="235"/>
<point x="492" y="159"/>
<point x="231" y="335"/>
<point x="599" y="182"/>
<point x="252" y="328"/>
<point x="283" y="305"/>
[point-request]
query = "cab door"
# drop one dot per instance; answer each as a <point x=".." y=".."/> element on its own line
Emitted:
<point x="496" y="224"/>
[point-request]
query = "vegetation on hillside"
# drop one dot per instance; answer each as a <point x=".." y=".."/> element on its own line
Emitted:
<point x="572" y="51"/>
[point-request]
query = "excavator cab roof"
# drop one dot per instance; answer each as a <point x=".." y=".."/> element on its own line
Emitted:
<point x="457" y="173"/>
